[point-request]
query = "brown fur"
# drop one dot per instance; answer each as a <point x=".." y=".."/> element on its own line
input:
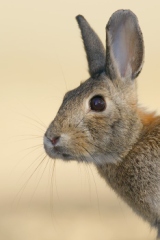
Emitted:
<point x="146" y="118"/>
<point x="135" y="178"/>
<point x="123" y="141"/>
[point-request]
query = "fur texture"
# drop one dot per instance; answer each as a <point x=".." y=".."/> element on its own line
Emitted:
<point x="122" y="140"/>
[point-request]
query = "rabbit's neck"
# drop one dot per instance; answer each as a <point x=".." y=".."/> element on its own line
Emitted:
<point x="134" y="177"/>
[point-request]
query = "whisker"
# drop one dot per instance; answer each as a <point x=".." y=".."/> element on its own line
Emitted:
<point x="33" y="147"/>
<point x="102" y="150"/>
<point x="97" y="146"/>
<point x="40" y="178"/>
<point x="93" y="144"/>
<point x="90" y="154"/>
<point x="37" y="158"/>
<point x="89" y="182"/>
<point x="80" y="172"/>
<point x="30" y="138"/>
<point x="36" y="127"/>
<point x="62" y="71"/>
<point x="87" y="165"/>
<point x="33" y="150"/>
<point x="37" y="118"/>
<point x="24" y="139"/>
<point x="95" y="189"/>
<point x="20" y="192"/>
<point x="27" y="135"/>
<point x="51" y="188"/>
<point x="55" y="180"/>
<point x="79" y="122"/>
<point x="34" y="120"/>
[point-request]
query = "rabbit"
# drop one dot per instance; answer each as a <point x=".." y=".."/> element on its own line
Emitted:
<point x="100" y="121"/>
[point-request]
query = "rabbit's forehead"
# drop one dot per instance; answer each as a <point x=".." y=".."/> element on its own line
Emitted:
<point x="86" y="89"/>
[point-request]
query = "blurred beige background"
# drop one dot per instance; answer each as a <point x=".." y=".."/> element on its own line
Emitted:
<point x="41" y="56"/>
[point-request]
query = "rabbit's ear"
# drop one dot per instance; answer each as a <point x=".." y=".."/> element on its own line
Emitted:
<point x="94" y="48"/>
<point x="125" y="49"/>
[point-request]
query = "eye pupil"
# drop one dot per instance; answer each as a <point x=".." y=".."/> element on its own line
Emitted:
<point x="97" y="103"/>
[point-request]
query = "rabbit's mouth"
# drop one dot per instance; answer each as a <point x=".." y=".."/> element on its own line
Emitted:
<point x="65" y="155"/>
<point x="55" y="151"/>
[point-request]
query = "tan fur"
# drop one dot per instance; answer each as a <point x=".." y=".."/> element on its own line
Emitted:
<point x="136" y="178"/>
<point x="146" y="118"/>
<point x="122" y="140"/>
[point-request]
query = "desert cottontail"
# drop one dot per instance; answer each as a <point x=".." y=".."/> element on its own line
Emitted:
<point x="100" y="121"/>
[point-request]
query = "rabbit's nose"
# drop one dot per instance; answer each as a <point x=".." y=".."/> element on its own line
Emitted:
<point x="54" y="140"/>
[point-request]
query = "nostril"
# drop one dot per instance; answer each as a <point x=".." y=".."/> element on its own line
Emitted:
<point x="54" y="140"/>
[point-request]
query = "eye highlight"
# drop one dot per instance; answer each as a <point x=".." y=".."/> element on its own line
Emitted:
<point x="97" y="103"/>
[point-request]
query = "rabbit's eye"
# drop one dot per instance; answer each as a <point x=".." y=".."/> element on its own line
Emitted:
<point x="97" y="103"/>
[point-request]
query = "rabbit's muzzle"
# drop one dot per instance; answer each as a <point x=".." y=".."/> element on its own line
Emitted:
<point x="55" y="149"/>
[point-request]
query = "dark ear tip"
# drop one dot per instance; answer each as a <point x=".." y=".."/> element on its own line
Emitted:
<point x="122" y="14"/>
<point x="79" y="18"/>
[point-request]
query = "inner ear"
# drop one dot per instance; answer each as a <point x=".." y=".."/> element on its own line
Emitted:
<point x="125" y="45"/>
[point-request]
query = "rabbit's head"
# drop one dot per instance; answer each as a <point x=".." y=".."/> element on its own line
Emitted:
<point x="98" y="121"/>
